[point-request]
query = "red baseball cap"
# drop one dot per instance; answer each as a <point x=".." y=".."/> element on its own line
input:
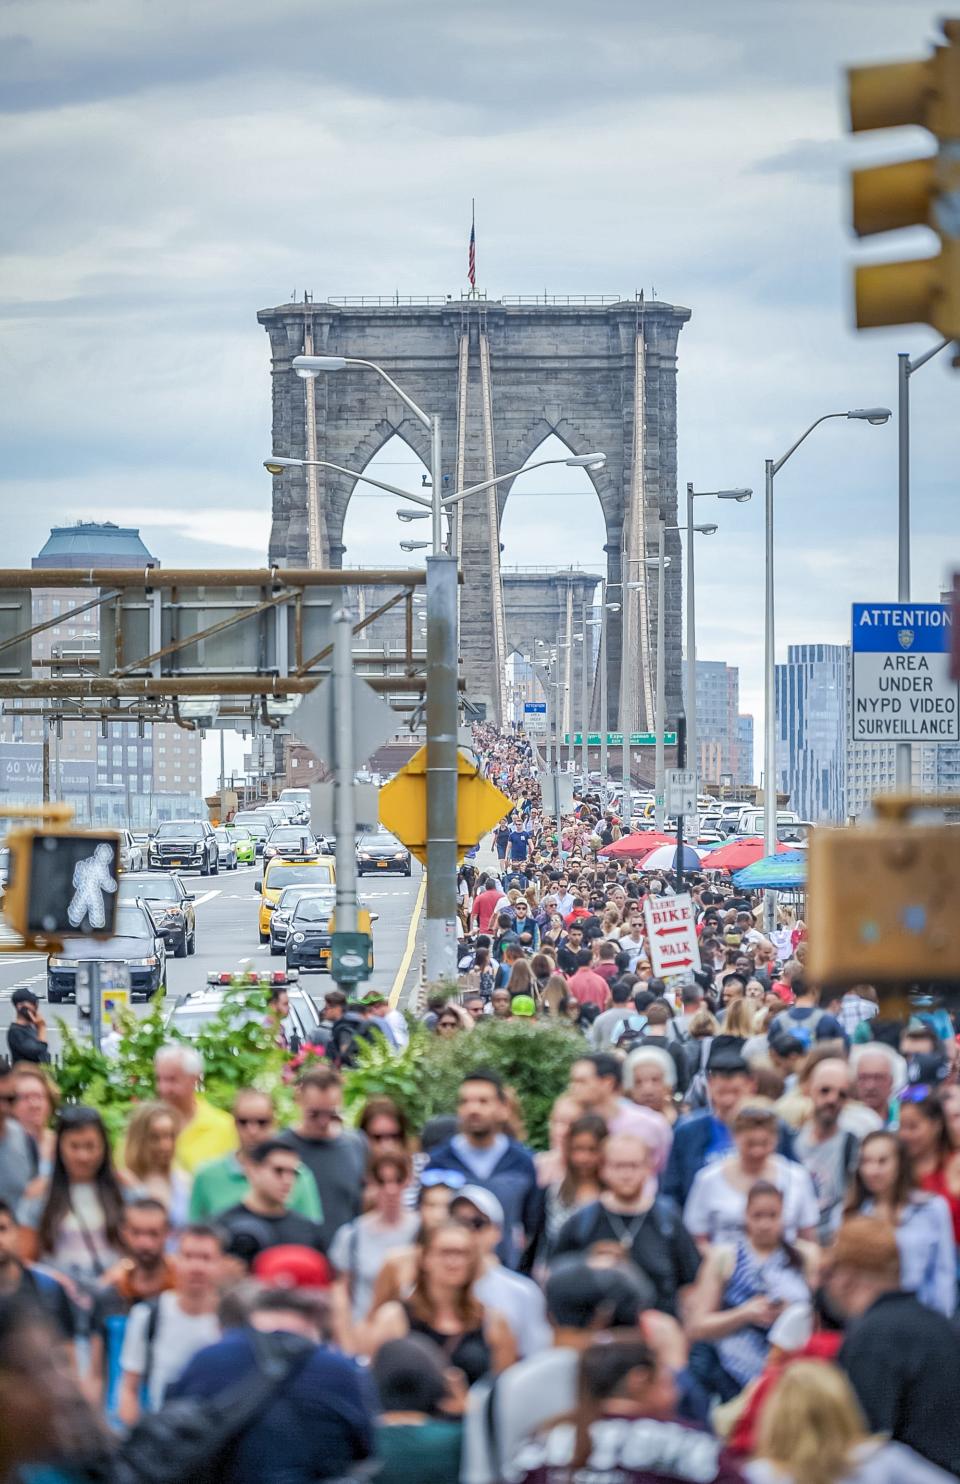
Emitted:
<point x="291" y="1266"/>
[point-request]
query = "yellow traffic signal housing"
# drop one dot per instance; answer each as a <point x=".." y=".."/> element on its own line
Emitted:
<point x="882" y="900"/>
<point x="923" y="192"/>
<point x="62" y="883"/>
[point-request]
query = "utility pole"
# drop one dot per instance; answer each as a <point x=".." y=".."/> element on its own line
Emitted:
<point x="905" y="369"/>
<point x="441" y="913"/>
<point x="604" y="762"/>
<point x="660" y="775"/>
<point x="344" y="814"/>
<point x="681" y="763"/>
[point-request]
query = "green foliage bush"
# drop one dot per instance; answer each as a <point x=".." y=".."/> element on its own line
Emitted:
<point x="238" y="1047"/>
<point x="532" y="1057"/>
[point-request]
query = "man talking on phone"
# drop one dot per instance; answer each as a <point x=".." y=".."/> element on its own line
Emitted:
<point x="27" y="1035"/>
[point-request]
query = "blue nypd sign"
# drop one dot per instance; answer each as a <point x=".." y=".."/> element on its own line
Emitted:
<point x="901" y="687"/>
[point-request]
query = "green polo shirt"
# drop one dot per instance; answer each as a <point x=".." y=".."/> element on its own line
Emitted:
<point x="221" y="1184"/>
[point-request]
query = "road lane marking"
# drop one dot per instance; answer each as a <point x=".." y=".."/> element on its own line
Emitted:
<point x="398" y="982"/>
<point x="205" y="897"/>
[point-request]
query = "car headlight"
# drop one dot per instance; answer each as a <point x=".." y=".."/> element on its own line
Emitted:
<point x="298" y="937"/>
<point x="143" y="963"/>
<point x="398" y="855"/>
<point x="365" y="857"/>
<point x="63" y="963"/>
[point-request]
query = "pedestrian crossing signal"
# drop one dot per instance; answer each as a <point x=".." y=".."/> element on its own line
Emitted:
<point x="63" y="883"/>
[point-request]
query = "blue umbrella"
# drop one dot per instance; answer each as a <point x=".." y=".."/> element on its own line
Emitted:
<point x="664" y="858"/>
<point x="784" y="872"/>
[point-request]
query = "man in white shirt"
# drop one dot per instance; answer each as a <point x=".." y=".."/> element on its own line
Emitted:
<point x="165" y="1333"/>
<point x="518" y="1299"/>
<point x="632" y="941"/>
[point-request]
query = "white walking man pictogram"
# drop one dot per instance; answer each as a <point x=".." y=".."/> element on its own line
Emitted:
<point x="91" y="878"/>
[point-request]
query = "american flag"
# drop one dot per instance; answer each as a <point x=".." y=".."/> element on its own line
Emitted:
<point x="472" y="256"/>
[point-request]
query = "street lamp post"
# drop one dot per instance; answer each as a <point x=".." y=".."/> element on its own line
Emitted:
<point x="584" y="701"/>
<point x="661" y="562"/>
<point x="690" y="708"/>
<point x="659" y="800"/>
<point x="876" y="416"/>
<point x="905" y="369"/>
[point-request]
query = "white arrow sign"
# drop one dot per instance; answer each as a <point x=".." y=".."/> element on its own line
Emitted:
<point x="671" y="935"/>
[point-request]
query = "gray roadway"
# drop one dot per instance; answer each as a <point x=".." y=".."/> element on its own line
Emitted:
<point x="227" y="938"/>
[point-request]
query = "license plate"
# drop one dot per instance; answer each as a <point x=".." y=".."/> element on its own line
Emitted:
<point x="382" y="865"/>
<point x="174" y="863"/>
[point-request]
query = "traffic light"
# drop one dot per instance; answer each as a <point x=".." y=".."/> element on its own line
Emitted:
<point x="63" y="883"/>
<point x="922" y="192"/>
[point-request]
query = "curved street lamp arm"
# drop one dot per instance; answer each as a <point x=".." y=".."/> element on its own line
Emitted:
<point x="779" y="463"/>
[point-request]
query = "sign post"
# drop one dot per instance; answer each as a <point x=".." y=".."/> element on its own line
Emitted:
<point x="671" y="935"/>
<point x="902" y="687"/>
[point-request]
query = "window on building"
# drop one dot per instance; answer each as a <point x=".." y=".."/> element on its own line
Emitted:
<point x="131" y="757"/>
<point x="102" y="754"/>
<point x="118" y="778"/>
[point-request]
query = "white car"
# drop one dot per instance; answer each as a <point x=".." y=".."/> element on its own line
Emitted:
<point x="226" y="848"/>
<point x="131" y="852"/>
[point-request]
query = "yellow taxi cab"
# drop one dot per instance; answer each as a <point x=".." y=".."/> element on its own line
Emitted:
<point x="298" y="871"/>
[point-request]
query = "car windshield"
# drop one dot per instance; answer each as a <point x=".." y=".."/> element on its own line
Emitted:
<point x="154" y="888"/>
<point x="179" y="832"/>
<point x="131" y="922"/>
<point x="288" y="832"/>
<point x="258" y="829"/>
<point x="191" y="1020"/>
<point x="312" y="909"/>
<point x="238" y="834"/>
<point x="379" y="842"/>
<point x="284" y="875"/>
<point x="291" y="895"/>
<point x="223" y="836"/>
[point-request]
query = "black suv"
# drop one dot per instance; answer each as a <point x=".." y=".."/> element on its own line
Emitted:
<point x="184" y="845"/>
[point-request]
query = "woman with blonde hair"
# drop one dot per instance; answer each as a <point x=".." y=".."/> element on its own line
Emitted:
<point x="812" y="1432"/>
<point x="148" y="1159"/>
<point x="741" y="1019"/>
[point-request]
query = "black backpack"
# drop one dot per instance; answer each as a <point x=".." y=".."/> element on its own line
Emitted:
<point x="187" y="1440"/>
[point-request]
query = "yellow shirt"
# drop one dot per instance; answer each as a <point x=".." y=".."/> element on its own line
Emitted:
<point x="210" y="1134"/>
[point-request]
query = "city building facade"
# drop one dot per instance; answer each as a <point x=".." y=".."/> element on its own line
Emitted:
<point x="724" y="735"/>
<point x="111" y="771"/>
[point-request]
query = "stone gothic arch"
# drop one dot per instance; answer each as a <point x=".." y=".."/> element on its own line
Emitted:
<point x="500" y="375"/>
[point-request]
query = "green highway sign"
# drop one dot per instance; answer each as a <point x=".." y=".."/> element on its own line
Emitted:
<point x="615" y="739"/>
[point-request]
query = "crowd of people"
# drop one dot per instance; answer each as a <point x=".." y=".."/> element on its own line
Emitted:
<point x="735" y="1261"/>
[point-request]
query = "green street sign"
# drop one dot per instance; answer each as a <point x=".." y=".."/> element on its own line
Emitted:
<point x="615" y="739"/>
<point x="350" y="957"/>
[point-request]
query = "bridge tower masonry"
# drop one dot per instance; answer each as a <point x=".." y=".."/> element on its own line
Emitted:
<point x="502" y="375"/>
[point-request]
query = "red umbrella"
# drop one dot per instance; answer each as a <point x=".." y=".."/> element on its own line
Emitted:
<point x="736" y="854"/>
<point x="637" y="844"/>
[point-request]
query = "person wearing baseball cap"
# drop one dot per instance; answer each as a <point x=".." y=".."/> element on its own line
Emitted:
<point x="518" y="1299"/>
<point x="27" y="1034"/>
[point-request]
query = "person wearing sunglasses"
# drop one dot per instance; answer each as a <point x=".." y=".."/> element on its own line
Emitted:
<point x="223" y="1183"/>
<point x="884" y="1185"/>
<point x="517" y="1298"/>
<point x="360" y="1247"/>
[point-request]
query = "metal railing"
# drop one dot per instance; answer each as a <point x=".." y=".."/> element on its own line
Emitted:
<point x="398" y="301"/>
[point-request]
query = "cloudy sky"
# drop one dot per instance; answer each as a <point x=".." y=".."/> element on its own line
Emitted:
<point x="170" y="169"/>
